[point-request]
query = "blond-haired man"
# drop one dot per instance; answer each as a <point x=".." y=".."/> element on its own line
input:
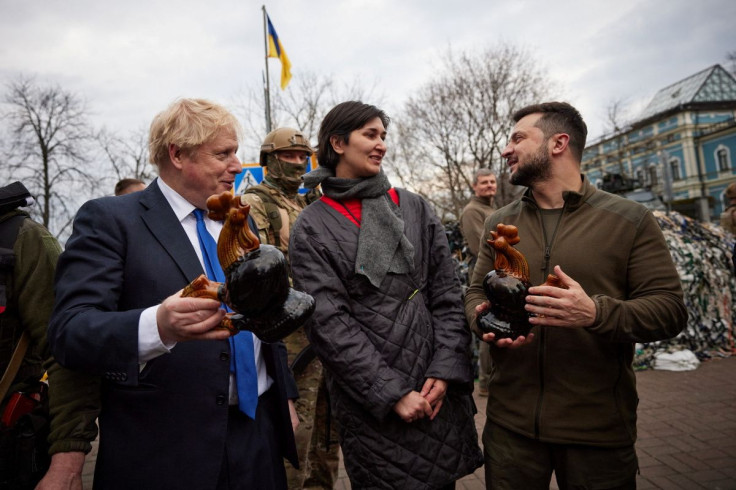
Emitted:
<point x="170" y="416"/>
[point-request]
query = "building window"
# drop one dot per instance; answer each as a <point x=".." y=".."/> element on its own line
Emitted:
<point x="675" y="169"/>
<point x="723" y="157"/>
<point x="640" y="177"/>
<point x="653" y="175"/>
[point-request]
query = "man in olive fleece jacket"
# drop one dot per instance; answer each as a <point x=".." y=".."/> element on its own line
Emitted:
<point x="73" y="396"/>
<point x="479" y="208"/>
<point x="564" y="398"/>
<point x="472" y="221"/>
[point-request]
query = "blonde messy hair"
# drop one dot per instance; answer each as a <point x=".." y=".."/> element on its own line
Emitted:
<point x="188" y="123"/>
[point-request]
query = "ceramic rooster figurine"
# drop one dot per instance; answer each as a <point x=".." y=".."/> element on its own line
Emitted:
<point x="257" y="280"/>
<point x="507" y="286"/>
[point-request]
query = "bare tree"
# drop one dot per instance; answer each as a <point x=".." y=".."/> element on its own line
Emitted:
<point x="127" y="156"/>
<point x="49" y="142"/>
<point x="303" y="105"/>
<point x="616" y="126"/>
<point x="731" y="58"/>
<point x="459" y="123"/>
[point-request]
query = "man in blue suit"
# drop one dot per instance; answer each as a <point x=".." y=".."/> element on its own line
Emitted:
<point x="170" y="416"/>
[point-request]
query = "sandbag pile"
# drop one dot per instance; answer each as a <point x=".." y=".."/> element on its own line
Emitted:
<point x="702" y="256"/>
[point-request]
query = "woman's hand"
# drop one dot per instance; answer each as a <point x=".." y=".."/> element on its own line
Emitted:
<point x="413" y="406"/>
<point x="434" y="392"/>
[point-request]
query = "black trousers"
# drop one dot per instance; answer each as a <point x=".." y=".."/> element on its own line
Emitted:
<point x="252" y="459"/>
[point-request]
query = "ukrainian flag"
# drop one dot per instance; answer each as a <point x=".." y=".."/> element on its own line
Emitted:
<point x="276" y="50"/>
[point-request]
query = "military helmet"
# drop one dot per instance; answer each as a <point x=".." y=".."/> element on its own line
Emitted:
<point x="731" y="191"/>
<point x="283" y="139"/>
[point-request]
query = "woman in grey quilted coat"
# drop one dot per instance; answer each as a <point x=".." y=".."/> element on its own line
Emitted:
<point x="388" y="323"/>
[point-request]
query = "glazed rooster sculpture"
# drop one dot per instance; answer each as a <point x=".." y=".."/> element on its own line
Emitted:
<point x="257" y="280"/>
<point x="506" y="287"/>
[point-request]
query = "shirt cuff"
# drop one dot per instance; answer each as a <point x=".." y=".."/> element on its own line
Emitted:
<point x="150" y="345"/>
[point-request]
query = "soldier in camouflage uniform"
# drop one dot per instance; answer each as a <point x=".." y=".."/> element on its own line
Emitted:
<point x="275" y="205"/>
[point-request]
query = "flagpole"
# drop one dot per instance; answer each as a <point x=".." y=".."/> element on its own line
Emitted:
<point x="266" y="88"/>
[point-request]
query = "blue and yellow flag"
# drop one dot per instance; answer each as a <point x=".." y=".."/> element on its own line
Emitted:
<point x="276" y="50"/>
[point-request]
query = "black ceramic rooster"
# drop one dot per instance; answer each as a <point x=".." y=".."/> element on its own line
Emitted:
<point x="506" y="287"/>
<point x="257" y="280"/>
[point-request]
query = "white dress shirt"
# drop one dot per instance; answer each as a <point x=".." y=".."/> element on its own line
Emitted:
<point x="150" y="344"/>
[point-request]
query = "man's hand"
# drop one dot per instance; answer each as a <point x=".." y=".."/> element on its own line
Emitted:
<point x="293" y="415"/>
<point x="503" y="343"/>
<point x="413" y="406"/>
<point x="190" y="318"/>
<point x="65" y="472"/>
<point x="434" y="391"/>
<point x="507" y="343"/>
<point x="557" y="307"/>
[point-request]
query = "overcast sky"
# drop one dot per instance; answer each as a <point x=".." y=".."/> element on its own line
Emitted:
<point x="130" y="58"/>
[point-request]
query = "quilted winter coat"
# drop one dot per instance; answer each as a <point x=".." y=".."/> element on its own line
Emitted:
<point x="378" y="344"/>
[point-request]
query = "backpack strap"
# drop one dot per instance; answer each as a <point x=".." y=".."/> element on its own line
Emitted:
<point x="273" y="212"/>
<point x="9" y="227"/>
<point x="15" y="361"/>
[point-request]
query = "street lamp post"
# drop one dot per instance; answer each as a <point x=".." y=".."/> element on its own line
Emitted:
<point x="667" y="173"/>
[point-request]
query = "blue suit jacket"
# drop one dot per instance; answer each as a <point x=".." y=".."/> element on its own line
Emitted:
<point x="163" y="427"/>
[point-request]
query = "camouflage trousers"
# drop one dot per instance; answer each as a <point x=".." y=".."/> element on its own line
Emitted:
<point x="316" y="436"/>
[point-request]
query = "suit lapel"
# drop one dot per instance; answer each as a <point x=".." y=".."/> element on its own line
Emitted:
<point x="167" y="230"/>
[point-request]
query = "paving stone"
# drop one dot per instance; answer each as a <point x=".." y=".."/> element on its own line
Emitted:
<point x="686" y="437"/>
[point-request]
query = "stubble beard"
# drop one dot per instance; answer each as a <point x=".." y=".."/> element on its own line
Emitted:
<point x="535" y="170"/>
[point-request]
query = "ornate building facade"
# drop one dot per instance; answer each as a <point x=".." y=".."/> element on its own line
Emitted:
<point x="682" y="147"/>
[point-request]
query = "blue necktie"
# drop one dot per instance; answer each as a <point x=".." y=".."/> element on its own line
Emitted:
<point x="242" y="362"/>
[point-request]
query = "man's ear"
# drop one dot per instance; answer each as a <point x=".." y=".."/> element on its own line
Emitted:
<point x="560" y="142"/>
<point x="175" y="155"/>
<point x="337" y="144"/>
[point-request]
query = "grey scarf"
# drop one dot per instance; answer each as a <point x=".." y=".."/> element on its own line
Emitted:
<point x="382" y="245"/>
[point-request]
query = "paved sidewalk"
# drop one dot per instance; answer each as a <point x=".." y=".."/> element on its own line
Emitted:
<point x="687" y="431"/>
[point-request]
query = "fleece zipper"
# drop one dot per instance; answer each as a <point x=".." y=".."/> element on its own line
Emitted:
<point x="542" y="337"/>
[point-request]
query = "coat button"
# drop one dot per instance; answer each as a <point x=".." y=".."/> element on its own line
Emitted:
<point x="224" y="356"/>
<point x="220" y="399"/>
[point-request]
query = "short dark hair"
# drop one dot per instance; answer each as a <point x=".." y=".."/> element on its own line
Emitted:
<point x="125" y="183"/>
<point x="342" y="120"/>
<point x="558" y="117"/>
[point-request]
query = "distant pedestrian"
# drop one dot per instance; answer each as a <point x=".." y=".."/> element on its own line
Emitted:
<point x="728" y="216"/>
<point x="126" y="186"/>
<point x="472" y="221"/>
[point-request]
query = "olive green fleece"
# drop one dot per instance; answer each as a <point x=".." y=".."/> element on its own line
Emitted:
<point x="577" y="386"/>
<point x="472" y="219"/>
<point x="73" y="396"/>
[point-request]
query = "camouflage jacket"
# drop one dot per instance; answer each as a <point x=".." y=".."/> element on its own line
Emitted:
<point x="274" y="214"/>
